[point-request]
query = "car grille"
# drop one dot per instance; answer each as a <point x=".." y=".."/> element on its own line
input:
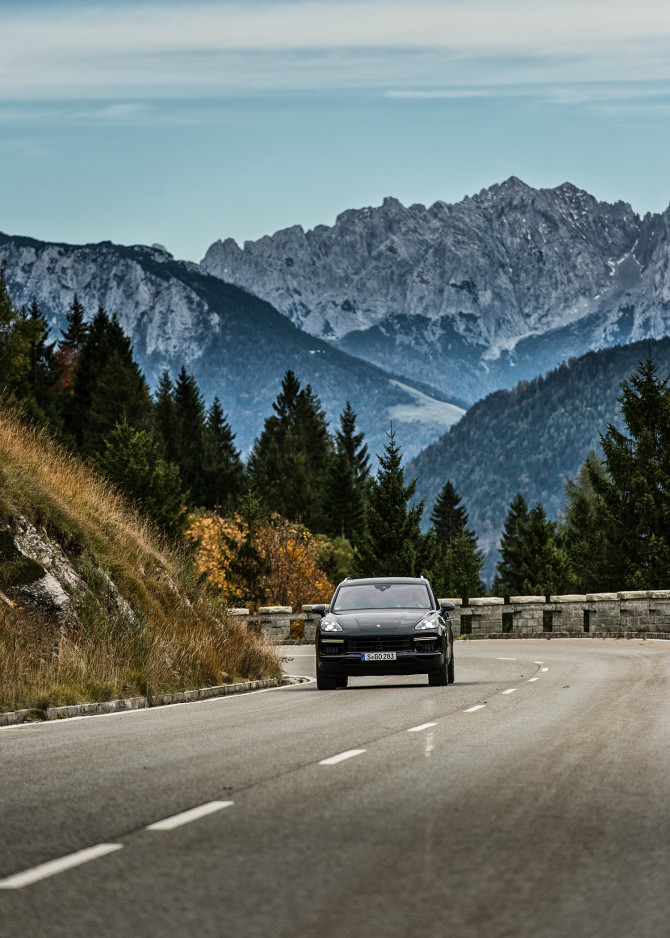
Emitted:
<point x="379" y="643"/>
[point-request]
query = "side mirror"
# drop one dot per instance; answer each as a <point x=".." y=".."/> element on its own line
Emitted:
<point x="319" y="609"/>
<point x="447" y="607"/>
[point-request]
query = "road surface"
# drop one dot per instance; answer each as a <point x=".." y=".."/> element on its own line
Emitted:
<point x="531" y="798"/>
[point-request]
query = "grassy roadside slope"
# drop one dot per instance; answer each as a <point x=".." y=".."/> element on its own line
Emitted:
<point x="138" y="620"/>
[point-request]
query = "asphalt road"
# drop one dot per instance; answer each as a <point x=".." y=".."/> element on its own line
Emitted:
<point x="544" y="812"/>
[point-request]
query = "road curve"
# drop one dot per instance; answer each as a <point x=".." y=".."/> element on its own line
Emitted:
<point x="530" y="798"/>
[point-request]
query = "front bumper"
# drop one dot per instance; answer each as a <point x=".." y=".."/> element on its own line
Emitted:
<point x="414" y="654"/>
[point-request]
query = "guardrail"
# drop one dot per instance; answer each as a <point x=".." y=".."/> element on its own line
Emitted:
<point x="638" y="612"/>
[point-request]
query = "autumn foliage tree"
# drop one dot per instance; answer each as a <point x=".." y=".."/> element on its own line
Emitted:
<point x="256" y="559"/>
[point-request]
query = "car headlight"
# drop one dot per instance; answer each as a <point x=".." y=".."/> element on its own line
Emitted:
<point x="430" y="622"/>
<point x="330" y="625"/>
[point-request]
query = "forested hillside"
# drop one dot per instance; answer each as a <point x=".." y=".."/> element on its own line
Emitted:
<point x="530" y="439"/>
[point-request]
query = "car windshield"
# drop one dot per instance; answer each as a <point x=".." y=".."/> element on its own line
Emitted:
<point x="382" y="596"/>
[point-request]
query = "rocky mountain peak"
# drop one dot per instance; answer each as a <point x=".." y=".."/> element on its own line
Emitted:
<point x="474" y="278"/>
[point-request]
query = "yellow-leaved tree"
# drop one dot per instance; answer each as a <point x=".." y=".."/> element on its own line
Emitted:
<point x="258" y="560"/>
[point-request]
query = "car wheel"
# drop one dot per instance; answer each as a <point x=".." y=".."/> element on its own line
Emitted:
<point x="439" y="678"/>
<point x="450" y="670"/>
<point x="341" y="680"/>
<point x="325" y="681"/>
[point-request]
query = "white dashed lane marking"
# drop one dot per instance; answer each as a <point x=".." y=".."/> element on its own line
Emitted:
<point x="422" y="726"/>
<point x="531" y="679"/>
<point x="44" y="870"/>
<point x="544" y="669"/>
<point x="476" y="707"/>
<point x="341" y="756"/>
<point x="506" y="659"/>
<point x="185" y="817"/>
<point x="510" y="690"/>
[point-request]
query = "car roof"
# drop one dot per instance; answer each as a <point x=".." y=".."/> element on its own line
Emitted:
<point x="384" y="579"/>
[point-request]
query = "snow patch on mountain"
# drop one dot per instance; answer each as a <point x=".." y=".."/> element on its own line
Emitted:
<point x="424" y="409"/>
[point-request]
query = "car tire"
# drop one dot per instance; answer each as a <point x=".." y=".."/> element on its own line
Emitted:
<point x="325" y="681"/>
<point x="450" y="670"/>
<point x="341" y="680"/>
<point x="439" y="678"/>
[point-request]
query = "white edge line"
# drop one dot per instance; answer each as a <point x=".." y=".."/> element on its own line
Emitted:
<point x="126" y="713"/>
<point x="422" y="726"/>
<point x="476" y="707"/>
<point x="341" y="756"/>
<point x="510" y="690"/>
<point x="185" y="817"/>
<point x="44" y="870"/>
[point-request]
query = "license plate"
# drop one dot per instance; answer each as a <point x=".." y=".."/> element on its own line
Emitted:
<point x="378" y="656"/>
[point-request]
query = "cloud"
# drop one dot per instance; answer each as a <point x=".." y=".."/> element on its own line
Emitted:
<point x="606" y="96"/>
<point x="191" y="49"/>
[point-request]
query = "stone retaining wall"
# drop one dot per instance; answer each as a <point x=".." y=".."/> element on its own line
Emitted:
<point x="645" y="612"/>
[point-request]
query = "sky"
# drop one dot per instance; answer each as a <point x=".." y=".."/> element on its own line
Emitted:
<point x="184" y="122"/>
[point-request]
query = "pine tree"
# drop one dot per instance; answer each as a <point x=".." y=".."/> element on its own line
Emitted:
<point x="462" y="557"/>
<point x="15" y="340"/>
<point x="245" y="564"/>
<point x="69" y="348"/>
<point x="542" y="562"/>
<point x="223" y="468"/>
<point x="392" y="542"/>
<point x="119" y="394"/>
<point x="509" y="576"/>
<point x="464" y="562"/>
<point x="583" y="528"/>
<point x="165" y="416"/>
<point x="348" y="476"/>
<point x="343" y="498"/>
<point x="131" y="458"/>
<point x="189" y="442"/>
<point x="635" y="491"/>
<point x="289" y="461"/>
<point x="74" y="335"/>
<point x="448" y="516"/>
<point x="351" y="443"/>
<point x="108" y="386"/>
<point x="38" y="388"/>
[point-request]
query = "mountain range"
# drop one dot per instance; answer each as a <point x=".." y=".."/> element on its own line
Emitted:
<point x="237" y="346"/>
<point x="469" y="297"/>
<point x="411" y="313"/>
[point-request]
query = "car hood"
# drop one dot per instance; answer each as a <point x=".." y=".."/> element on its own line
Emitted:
<point x="389" y="620"/>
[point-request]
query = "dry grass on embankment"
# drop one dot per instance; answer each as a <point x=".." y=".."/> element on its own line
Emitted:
<point x="174" y="635"/>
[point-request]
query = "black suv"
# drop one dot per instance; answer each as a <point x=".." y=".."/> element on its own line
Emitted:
<point x="384" y="625"/>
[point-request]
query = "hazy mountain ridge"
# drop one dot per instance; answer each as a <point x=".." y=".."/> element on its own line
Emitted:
<point x="530" y="439"/>
<point x="499" y="279"/>
<point x="237" y="345"/>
